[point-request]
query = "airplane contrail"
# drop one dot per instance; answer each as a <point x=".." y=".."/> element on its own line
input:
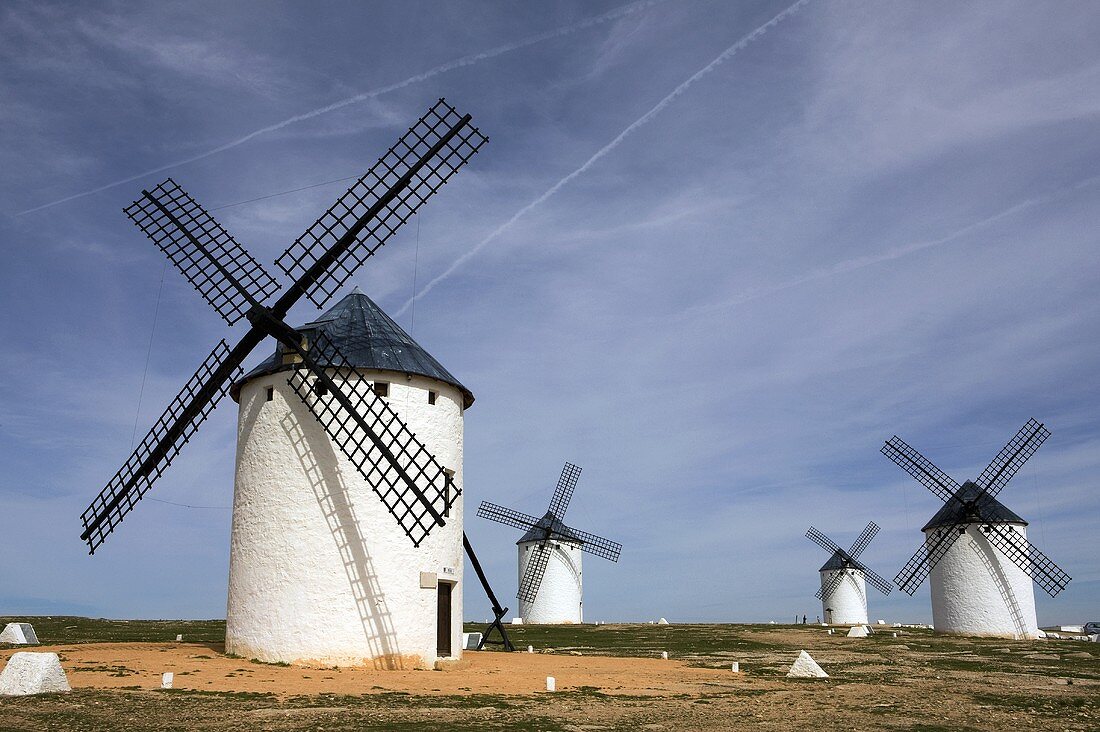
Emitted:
<point x="603" y="151"/>
<point x="613" y="14"/>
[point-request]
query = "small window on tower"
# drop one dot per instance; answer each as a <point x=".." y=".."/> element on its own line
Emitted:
<point x="270" y="393"/>
<point x="381" y="388"/>
<point x="431" y="397"/>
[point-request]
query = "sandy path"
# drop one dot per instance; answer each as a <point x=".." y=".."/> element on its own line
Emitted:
<point x="201" y="667"/>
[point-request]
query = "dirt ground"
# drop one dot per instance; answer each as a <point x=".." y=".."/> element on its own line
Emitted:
<point x="205" y="668"/>
<point x="608" y="677"/>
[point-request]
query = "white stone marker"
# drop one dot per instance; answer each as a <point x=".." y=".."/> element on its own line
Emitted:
<point x="517" y="621"/>
<point x="881" y="622"/>
<point x="551" y="684"/>
<point x="470" y="641"/>
<point x="857" y="631"/>
<point x="179" y="638"/>
<point x="530" y="649"/>
<point x="19" y="634"/>
<point x="805" y="667"/>
<point x="166" y="679"/>
<point x="33" y="673"/>
<point x="664" y="655"/>
<point x="736" y="667"/>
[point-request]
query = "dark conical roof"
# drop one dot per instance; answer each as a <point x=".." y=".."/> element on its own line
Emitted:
<point x="558" y="531"/>
<point x="973" y="506"/>
<point x="369" y="339"/>
<point x="835" y="562"/>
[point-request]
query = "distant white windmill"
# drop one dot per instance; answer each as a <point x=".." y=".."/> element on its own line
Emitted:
<point x="976" y="549"/>
<point x="550" y="580"/>
<point x="844" y="579"/>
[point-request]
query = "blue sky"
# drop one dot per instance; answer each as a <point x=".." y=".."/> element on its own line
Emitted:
<point x="864" y="219"/>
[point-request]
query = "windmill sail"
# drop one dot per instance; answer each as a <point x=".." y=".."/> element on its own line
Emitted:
<point x="536" y="569"/>
<point x="1012" y="457"/>
<point x="414" y="487"/>
<point x="1027" y="557"/>
<point x="387" y="195"/>
<point x="235" y="285"/>
<point x="219" y="268"/>
<point x="921" y="468"/>
<point x="180" y="421"/>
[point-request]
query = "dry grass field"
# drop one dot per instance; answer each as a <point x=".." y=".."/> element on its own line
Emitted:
<point x="609" y="677"/>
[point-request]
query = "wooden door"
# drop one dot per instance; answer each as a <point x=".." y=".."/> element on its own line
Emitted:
<point x="443" y="619"/>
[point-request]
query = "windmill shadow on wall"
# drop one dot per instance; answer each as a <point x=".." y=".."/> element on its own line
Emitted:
<point x="318" y="460"/>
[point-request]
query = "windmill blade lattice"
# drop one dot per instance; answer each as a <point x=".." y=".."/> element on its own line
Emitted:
<point x="536" y="569"/>
<point x="422" y="161"/>
<point x="180" y="421"/>
<point x="219" y="268"/>
<point x="848" y="560"/>
<point x="597" y="545"/>
<point x="567" y="483"/>
<point x="506" y="516"/>
<point x="874" y="579"/>
<point x="428" y="155"/>
<point x="861" y="542"/>
<point x="396" y="465"/>
<point x="823" y="541"/>
<point x="1012" y="457"/>
<point x="918" y="466"/>
<point x="919" y="566"/>
<point x="830" y="585"/>
<point x="1027" y="557"/>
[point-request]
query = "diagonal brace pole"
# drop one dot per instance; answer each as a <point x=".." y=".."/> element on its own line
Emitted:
<point x="498" y="611"/>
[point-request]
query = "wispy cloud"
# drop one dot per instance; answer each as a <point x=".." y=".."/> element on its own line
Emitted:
<point x="471" y="59"/>
<point x="856" y="263"/>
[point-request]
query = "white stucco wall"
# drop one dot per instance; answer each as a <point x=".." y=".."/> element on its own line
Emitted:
<point x="320" y="572"/>
<point x="976" y="590"/>
<point x="559" y="599"/>
<point x="848" y="599"/>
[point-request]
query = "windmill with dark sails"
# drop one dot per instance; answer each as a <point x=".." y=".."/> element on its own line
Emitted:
<point x="352" y="453"/>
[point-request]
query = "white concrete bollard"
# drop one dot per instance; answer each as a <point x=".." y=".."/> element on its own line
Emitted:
<point x="551" y="684"/>
<point x="664" y="655"/>
<point x="179" y="638"/>
<point x="894" y="634"/>
<point x="736" y="667"/>
<point x="530" y="649"/>
<point x="166" y="680"/>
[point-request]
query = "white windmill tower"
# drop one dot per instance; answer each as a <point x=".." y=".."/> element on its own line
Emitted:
<point x="319" y="570"/>
<point x="976" y="549"/>
<point x="844" y="579"/>
<point x="550" y="580"/>
<point x="347" y="526"/>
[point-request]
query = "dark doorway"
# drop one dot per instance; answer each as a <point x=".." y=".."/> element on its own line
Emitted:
<point x="443" y="620"/>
